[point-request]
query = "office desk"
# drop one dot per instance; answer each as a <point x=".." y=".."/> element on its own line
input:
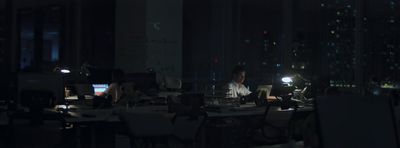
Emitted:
<point x="232" y="125"/>
<point x="92" y="118"/>
<point x="102" y="122"/>
<point x="250" y="111"/>
<point x="86" y="115"/>
<point x="237" y="112"/>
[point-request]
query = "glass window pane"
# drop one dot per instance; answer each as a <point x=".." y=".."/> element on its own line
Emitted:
<point x="382" y="54"/>
<point x="339" y="41"/>
<point x="26" y="39"/>
<point x="51" y="34"/>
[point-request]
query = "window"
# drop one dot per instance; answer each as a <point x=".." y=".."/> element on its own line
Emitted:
<point x="40" y="37"/>
<point x="27" y="33"/>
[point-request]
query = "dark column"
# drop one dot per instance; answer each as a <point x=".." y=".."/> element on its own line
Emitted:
<point x="8" y="36"/>
<point x="287" y="33"/>
<point x="77" y="34"/>
<point x="359" y="45"/>
<point x="38" y="39"/>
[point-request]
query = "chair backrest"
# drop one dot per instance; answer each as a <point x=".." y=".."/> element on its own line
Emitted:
<point x="356" y="121"/>
<point x="278" y="116"/>
<point x="186" y="128"/>
<point x="46" y="135"/>
<point x="278" y="122"/>
<point x="147" y="124"/>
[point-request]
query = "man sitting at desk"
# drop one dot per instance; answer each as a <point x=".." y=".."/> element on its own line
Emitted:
<point x="123" y="92"/>
<point x="115" y="88"/>
<point x="235" y="88"/>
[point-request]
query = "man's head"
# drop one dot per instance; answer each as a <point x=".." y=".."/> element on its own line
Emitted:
<point x="238" y="74"/>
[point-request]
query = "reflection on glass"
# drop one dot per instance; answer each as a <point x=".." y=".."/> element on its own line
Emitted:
<point x="383" y="45"/>
<point x="339" y="42"/>
<point x="26" y="39"/>
<point x="51" y="34"/>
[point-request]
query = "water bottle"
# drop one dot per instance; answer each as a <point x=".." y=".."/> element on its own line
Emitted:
<point x="213" y="82"/>
<point x="66" y="110"/>
<point x="213" y="89"/>
<point x="195" y="82"/>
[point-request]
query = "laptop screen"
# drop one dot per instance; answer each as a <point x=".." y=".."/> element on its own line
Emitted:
<point x="99" y="88"/>
<point x="265" y="88"/>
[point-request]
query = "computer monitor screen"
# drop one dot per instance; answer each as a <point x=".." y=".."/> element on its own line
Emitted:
<point x="99" y="88"/>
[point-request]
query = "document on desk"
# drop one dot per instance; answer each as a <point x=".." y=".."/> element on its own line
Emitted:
<point x="71" y="98"/>
<point x="91" y="115"/>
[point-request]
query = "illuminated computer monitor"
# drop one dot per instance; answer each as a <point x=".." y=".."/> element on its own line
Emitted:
<point x="99" y="88"/>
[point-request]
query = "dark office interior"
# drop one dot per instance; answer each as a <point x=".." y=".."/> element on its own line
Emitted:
<point x="199" y="73"/>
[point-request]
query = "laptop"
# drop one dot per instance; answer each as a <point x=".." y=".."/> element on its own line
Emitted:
<point x="260" y="100"/>
<point x="264" y="88"/>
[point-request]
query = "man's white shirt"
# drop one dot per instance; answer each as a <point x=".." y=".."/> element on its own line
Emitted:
<point x="235" y="90"/>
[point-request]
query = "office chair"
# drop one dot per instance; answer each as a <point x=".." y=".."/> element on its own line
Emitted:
<point x="276" y="126"/>
<point x="186" y="128"/>
<point x="146" y="127"/>
<point x="36" y="128"/>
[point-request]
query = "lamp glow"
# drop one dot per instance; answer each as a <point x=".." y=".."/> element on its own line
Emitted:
<point x="287" y="80"/>
<point x="65" y="71"/>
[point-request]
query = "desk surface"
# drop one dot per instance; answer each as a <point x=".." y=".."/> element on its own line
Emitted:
<point x="84" y="115"/>
<point x="250" y="111"/>
<point x="108" y="115"/>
